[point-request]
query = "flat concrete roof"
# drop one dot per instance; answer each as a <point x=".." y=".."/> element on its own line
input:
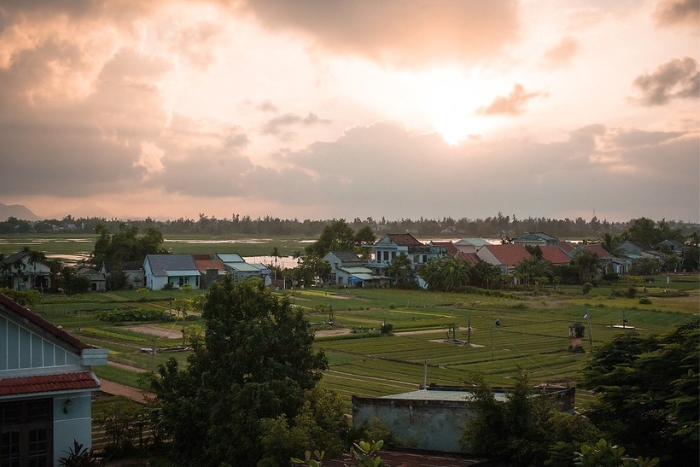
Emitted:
<point x="439" y="395"/>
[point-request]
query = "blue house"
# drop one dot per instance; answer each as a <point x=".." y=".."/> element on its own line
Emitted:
<point x="46" y="384"/>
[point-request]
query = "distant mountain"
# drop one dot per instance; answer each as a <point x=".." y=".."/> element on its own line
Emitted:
<point x="84" y="211"/>
<point x="17" y="211"/>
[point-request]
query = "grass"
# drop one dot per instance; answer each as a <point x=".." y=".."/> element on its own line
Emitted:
<point x="533" y="331"/>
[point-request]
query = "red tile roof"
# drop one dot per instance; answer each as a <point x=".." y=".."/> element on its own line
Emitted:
<point x="204" y="264"/>
<point x="567" y="247"/>
<point x="468" y="257"/>
<point x="27" y="315"/>
<point x="47" y="383"/>
<point x="415" y="459"/>
<point x="509" y="254"/>
<point x="404" y="239"/>
<point x="554" y="255"/>
<point x="598" y="250"/>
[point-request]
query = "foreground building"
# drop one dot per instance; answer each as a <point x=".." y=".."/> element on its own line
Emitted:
<point x="46" y="386"/>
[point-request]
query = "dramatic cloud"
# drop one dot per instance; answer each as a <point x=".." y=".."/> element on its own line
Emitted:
<point x="342" y="109"/>
<point x="562" y="54"/>
<point x="513" y="104"/>
<point x="677" y="79"/>
<point x="278" y="125"/>
<point x="673" y="12"/>
<point x="406" y="33"/>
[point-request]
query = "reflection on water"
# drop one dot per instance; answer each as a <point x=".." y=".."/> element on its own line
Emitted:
<point x="240" y="240"/>
<point x="282" y="262"/>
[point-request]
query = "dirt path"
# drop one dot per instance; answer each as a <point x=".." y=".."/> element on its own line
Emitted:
<point x="116" y="389"/>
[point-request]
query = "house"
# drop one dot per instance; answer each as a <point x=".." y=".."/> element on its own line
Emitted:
<point x="392" y="245"/>
<point x="536" y="239"/>
<point x="609" y="263"/>
<point x="506" y="256"/>
<point x="555" y="255"/>
<point x="46" y="383"/>
<point x="471" y="258"/>
<point x="98" y="281"/>
<point x="450" y="247"/>
<point x="470" y="244"/>
<point x="347" y="270"/>
<point x="672" y="246"/>
<point x="21" y="271"/>
<point x="161" y="270"/>
<point x="239" y="269"/>
<point x="134" y="275"/>
<point x="433" y="418"/>
<point x="211" y="270"/>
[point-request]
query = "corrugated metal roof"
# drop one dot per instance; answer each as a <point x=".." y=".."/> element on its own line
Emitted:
<point x="161" y="265"/>
<point x="230" y="257"/>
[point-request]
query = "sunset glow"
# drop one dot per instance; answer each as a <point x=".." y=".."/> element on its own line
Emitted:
<point x="339" y="110"/>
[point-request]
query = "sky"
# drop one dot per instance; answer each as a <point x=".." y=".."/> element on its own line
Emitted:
<point x="345" y="109"/>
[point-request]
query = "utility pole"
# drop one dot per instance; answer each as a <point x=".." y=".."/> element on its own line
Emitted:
<point x="469" y="332"/>
<point x="590" y="332"/>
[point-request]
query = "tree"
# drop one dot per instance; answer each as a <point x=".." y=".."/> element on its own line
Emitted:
<point x="526" y="428"/>
<point x="336" y="236"/>
<point x="446" y="274"/>
<point x="586" y="262"/>
<point x="647" y="393"/>
<point x="123" y="246"/>
<point x="312" y="267"/>
<point x="400" y="269"/>
<point x="610" y="242"/>
<point x="256" y="365"/>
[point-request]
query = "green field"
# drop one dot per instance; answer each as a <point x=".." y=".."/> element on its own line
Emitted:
<point x="533" y="331"/>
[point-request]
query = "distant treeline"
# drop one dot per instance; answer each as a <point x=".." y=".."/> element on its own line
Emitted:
<point x="498" y="226"/>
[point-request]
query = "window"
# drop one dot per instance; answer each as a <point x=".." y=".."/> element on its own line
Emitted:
<point x="25" y="434"/>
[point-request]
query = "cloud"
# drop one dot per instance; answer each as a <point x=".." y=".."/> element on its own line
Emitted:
<point x="561" y="55"/>
<point x="677" y="12"/>
<point x="278" y="125"/>
<point x="513" y="104"/>
<point x="399" y="32"/>
<point x="677" y="79"/>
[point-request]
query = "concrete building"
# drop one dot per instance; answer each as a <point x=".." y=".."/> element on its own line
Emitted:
<point x="46" y="384"/>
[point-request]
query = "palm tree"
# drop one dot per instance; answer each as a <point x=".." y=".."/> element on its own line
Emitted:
<point x="611" y="242"/>
<point x="34" y="258"/>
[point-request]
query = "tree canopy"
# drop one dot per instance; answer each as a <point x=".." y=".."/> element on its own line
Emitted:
<point x="647" y="393"/>
<point x="249" y="394"/>
<point x="125" y="245"/>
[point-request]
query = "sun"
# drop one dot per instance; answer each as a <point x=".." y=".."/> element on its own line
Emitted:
<point x="449" y="98"/>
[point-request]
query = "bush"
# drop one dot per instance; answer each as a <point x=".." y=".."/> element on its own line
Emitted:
<point x="644" y="301"/>
<point x="586" y="288"/>
<point x="387" y="328"/>
<point x="631" y="292"/>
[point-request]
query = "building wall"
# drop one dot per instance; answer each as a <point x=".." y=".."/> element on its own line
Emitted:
<point x="421" y="424"/>
<point x="74" y="425"/>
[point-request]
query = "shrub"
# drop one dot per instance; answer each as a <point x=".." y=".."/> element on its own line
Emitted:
<point x="586" y="288"/>
<point x="631" y="292"/>
<point x="387" y="328"/>
<point x="644" y="301"/>
<point x="79" y="456"/>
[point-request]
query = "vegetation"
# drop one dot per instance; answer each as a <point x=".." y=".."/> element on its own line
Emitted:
<point x="248" y="395"/>
<point x="647" y="393"/>
<point x="526" y="429"/>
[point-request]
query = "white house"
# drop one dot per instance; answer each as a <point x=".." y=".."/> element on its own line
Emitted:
<point x="178" y="270"/>
<point x="19" y="272"/>
<point x="392" y="245"/>
<point x="348" y="270"/>
<point x="45" y="388"/>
